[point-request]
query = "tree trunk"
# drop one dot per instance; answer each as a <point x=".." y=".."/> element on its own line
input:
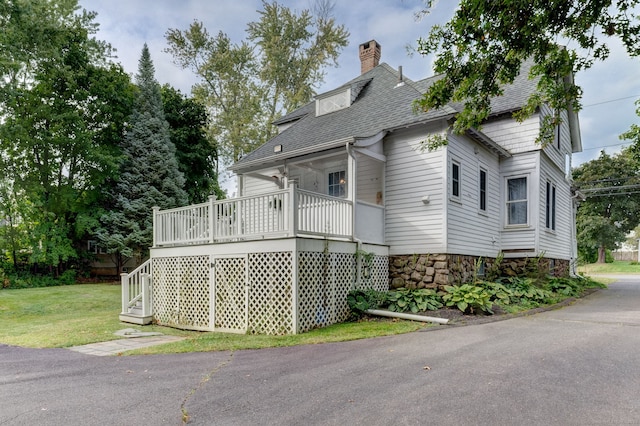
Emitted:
<point x="602" y="254"/>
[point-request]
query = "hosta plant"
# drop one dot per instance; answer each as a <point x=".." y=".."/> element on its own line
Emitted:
<point x="467" y="298"/>
<point x="403" y="300"/>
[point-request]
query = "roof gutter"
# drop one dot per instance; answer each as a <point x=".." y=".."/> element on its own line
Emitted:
<point x="287" y="155"/>
<point x="485" y="140"/>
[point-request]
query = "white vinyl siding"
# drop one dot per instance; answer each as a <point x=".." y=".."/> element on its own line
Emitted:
<point x="370" y="180"/>
<point x="469" y="230"/>
<point x="411" y="226"/>
<point x="555" y="243"/>
<point x="516" y="241"/>
<point x="255" y="186"/>
<point x="558" y="150"/>
<point x="513" y="136"/>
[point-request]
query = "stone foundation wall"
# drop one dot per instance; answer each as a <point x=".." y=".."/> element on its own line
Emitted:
<point x="434" y="270"/>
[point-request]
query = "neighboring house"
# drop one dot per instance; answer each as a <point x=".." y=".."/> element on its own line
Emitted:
<point x="102" y="264"/>
<point x="346" y="196"/>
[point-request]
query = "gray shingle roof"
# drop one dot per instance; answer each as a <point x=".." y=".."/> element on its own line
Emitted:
<point x="381" y="104"/>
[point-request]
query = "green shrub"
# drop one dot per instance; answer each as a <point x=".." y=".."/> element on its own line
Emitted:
<point x="498" y="292"/>
<point x="361" y="300"/>
<point x="68" y="277"/>
<point x="27" y="280"/>
<point x="467" y="298"/>
<point x="403" y="300"/>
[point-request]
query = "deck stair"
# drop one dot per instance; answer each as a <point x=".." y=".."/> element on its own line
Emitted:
<point x="137" y="307"/>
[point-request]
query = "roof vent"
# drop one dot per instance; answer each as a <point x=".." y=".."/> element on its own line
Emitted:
<point x="400" y="77"/>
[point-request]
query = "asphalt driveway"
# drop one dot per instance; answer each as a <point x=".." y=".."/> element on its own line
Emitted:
<point x="576" y="365"/>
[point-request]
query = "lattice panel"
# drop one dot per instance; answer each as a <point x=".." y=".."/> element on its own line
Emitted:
<point x="231" y="293"/>
<point x="324" y="280"/>
<point x="380" y="273"/>
<point x="270" y="293"/>
<point x="181" y="292"/>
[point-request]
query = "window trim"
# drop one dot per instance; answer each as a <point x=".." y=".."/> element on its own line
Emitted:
<point x="551" y="206"/>
<point x="509" y="202"/>
<point x="455" y="184"/>
<point x="483" y="189"/>
<point x="344" y="185"/>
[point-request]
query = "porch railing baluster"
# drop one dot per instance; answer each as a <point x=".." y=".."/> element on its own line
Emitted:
<point x="288" y="212"/>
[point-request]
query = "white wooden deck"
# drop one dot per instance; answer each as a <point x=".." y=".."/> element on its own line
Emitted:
<point x="290" y="212"/>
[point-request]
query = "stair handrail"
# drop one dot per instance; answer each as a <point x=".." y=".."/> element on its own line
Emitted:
<point x="136" y="285"/>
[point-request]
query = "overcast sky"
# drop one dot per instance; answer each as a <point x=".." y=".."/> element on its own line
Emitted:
<point x="610" y="88"/>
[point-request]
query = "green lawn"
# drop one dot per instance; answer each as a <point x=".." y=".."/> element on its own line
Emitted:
<point x="54" y="317"/>
<point x="610" y="268"/>
<point x="58" y="317"/>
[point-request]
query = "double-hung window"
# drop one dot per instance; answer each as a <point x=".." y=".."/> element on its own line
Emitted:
<point x="482" y="190"/>
<point x="550" y="219"/>
<point x="517" y="202"/>
<point x="455" y="179"/>
<point x="336" y="186"/>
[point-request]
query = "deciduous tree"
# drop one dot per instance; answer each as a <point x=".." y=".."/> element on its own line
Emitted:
<point x="62" y="108"/>
<point x="197" y="158"/>
<point x="612" y="207"/>
<point x="244" y="88"/>
<point x="483" y="46"/>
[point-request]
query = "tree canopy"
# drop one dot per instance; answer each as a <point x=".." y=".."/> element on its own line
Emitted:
<point x="246" y="86"/>
<point x="62" y="109"/>
<point x="483" y="46"/>
<point x="612" y="206"/>
<point x="197" y="158"/>
<point x="149" y="173"/>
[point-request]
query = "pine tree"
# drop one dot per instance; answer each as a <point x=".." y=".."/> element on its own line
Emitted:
<point x="149" y="174"/>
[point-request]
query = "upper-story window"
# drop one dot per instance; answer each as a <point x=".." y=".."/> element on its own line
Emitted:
<point x="482" y="190"/>
<point x="455" y="179"/>
<point x="517" y="201"/>
<point x="337" y="184"/>
<point x="550" y="219"/>
<point x="333" y="102"/>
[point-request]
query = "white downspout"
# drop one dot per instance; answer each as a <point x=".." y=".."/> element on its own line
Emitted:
<point x="351" y="194"/>
<point x="352" y="185"/>
<point x="410" y="317"/>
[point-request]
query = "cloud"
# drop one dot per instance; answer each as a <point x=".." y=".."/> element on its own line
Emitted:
<point x="127" y="24"/>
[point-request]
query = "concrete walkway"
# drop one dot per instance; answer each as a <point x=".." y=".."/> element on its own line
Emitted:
<point x="117" y="347"/>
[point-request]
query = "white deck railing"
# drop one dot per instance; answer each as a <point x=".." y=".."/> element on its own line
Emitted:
<point x="136" y="290"/>
<point x="287" y="212"/>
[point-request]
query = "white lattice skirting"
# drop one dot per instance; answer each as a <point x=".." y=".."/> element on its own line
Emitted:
<point x="261" y="292"/>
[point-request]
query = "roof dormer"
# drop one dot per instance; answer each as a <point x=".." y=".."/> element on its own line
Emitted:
<point x="333" y="101"/>
<point x="339" y="98"/>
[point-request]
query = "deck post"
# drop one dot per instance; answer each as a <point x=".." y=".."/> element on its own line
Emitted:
<point x="124" y="280"/>
<point x="146" y="295"/>
<point x="212" y="218"/>
<point x="293" y="208"/>
<point x="156" y="209"/>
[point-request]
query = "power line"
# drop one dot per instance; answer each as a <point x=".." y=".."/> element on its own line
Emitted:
<point x="611" y="194"/>
<point x="607" y="188"/>
<point x="606" y="146"/>
<point x="611" y="100"/>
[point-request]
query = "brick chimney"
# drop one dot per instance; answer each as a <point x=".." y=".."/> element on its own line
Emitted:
<point x="369" y="55"/>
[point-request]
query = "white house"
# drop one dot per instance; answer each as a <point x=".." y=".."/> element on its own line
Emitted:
<point x="346" y="196"/>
